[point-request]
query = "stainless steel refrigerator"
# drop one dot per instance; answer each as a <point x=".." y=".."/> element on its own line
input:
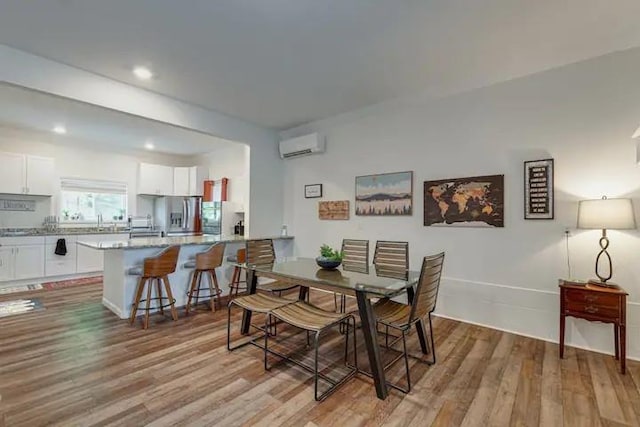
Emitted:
<point x="179" y="216"/>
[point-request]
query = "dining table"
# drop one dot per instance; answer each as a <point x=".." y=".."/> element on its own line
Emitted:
<point x="365" y="284"/>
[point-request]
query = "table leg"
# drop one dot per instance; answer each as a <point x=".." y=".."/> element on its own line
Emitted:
<point x="562" y="326"/>
<point x="252" y="283"/>
<point x="370" y="338"/>
<point x="419" y="325"/>
<point x="623" y="348"/>
<point x="616" y="338"/>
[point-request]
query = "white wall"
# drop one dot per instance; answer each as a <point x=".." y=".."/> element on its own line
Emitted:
<point x="74" y="160"/>
<point x="582" y="115"/>
<point x="229" y="162"/>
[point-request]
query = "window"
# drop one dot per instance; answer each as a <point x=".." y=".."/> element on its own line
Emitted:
<point x="83" y="200"/>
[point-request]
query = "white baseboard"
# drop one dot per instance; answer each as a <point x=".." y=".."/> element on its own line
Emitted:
<point x="113" y="308"/>
<point x="532" y="313"/>
<point x="41" y="280"/>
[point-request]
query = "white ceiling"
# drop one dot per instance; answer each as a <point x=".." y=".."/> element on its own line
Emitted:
<point x="97" y="126"/>
<point x="280" y="63"/>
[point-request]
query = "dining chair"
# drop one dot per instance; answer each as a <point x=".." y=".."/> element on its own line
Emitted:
<point x="260" y="253"/>
<point x="355" y="257"/>
<point x="391" y="257"/>
<point x="312" y="319"/>
<point x="402" y="317"/>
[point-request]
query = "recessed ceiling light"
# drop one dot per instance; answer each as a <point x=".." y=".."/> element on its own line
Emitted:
<point x="143" y="73"/>
<point x="59" y="129"/>
<point x="149" y="146"/>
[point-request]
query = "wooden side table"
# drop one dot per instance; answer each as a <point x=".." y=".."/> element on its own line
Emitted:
<point x="596" y="303"/>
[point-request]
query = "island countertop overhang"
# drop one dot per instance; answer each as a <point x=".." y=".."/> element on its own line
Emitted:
<point x="164" y="242"/>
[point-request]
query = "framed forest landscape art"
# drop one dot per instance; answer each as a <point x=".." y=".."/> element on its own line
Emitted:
<point x="385" y="194"/>
<point x="468" y="202"/>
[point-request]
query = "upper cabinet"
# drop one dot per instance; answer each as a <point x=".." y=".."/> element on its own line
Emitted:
<point x="181" y="181"/>
<point x="161" y="180"/>
<point x="197" y="176"/>
<point x="155" y="179"/>
<point x="22" y="174"/>
<point x="40" y="172"/>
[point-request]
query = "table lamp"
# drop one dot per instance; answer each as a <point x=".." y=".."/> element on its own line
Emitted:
<point x="612" y="214"/>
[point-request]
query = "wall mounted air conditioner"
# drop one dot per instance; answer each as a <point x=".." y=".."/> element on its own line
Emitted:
<point x="302" y="146"/>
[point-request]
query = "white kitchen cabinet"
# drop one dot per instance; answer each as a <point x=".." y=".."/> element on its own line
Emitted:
<point x="6" y="263"/>
<point x="22" y="174"/>
<point x="59" y="265"/>
<point x="21" y="258"/>
<point x="181" y="181"/>
<point x="39" y="176"/>
<point x="12" y="173"/>
<point x="197" y="176"/>
<point x="155" y="179"/>
<point x="28" y="262"/>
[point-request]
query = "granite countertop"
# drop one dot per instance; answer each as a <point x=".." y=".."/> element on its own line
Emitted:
<point x="163" y="242"/>
<point x="31" y="232"/>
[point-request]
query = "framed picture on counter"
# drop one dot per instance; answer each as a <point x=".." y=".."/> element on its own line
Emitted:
<point x="313" y="191"/>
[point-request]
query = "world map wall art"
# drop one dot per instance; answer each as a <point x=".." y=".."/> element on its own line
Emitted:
<point x="385" y="194"/>
<point x="471" y="202"/>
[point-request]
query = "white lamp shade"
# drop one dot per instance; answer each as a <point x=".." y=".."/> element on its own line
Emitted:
<point x="604" y="213"/>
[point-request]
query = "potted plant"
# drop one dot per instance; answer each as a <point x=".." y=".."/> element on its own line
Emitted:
<point x="329" y="258"/>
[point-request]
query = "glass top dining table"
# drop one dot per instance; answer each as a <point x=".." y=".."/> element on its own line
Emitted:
<point x="364" y="283"/>
<point x="375" y="280"/>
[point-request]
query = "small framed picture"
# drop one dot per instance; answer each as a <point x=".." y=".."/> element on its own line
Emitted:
<point x="538" y="189"/>
<point x="312" y="191"/>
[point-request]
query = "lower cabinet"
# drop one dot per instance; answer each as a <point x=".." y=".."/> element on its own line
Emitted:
<point x="60" y="265"/>
<point x="6" y="263"/>
<point x="28" y="262"/>
<point x="21" y="262"/>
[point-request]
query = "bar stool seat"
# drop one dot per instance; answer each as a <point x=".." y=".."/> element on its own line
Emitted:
<point x="205" y="264"/>
<point x="155" y="269"/>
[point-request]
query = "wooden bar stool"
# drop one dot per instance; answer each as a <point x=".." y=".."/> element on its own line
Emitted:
<point x="237" y="284"/>
<point x="205" y="263"/>
<point x="155" y="269"/>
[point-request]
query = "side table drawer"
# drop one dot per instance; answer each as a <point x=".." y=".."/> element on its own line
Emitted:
<point x="592" y="298"/>
<point x="592" y="309"/>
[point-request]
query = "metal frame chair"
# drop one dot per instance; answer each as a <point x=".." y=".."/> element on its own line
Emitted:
<point x="402" y="317"/>
<point x="356" y="258"/>
<point x="315" y="320"/>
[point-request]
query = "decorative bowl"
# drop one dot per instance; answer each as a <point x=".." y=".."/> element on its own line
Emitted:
<point x="327" y="263"/>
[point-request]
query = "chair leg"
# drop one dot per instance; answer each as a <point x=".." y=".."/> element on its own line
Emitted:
<point x="406" y="360"/>
<point x="199" y="274"/>
<point x="190" y="293"/>
<point x="159" y="295"/>
<point x="136" y="302"/>
<point x="174" y="312"/>
<point x="266" y="340"/>
<point x="335" y="302"/>
<point x="214" y="280"/>
<point x="316" y="344"/>
<point x="146" y="314"/>
<point x="433" y="346"/>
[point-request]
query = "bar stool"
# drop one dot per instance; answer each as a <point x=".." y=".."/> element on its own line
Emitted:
<point x="205" y="263"/>
<point x="155" y="269"/>
<point x="236" y="284"/>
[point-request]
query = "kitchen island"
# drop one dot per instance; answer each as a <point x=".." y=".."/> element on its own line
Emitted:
<point x="120" y="256"/>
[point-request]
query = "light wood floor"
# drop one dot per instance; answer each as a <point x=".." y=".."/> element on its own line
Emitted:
<point x="77" y="364"/>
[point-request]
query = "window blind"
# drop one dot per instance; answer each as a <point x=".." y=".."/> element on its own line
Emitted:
<point x="93" y="186"/>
